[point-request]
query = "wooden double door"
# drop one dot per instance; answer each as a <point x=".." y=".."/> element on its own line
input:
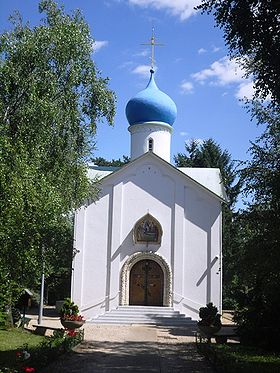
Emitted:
<point x="146" y="284"/>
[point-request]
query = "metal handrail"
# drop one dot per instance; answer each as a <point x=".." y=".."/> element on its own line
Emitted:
<point x="188" y="299"/>
<point x="99" y="302"/>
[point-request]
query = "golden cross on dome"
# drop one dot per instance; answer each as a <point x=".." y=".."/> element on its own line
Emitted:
<point x="153" y="44"/>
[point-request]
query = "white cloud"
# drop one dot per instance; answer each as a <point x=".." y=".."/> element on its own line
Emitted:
<point x="245" y="91"/>
<point x="142" y="70"/>
<point x="180" y="8"/>
<point x="186" y="87"/>
<point x="201" y="51"/>
<point x="221" y="72"/>
<point x="125" y="65"/>
<point x="98" y="44"/>
<point x="144" y="53"/>
<point x="183" y="133"/>
<point x="225" y="72"/>
<point x="215" y="49"/>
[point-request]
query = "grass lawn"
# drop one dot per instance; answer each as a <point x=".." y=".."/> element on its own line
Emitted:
<point x="42" y="350"/>
<point x="233" y="358"/>
<point x="11" y="341"/>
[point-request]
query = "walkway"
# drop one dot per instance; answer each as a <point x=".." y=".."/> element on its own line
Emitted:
<point x="119" y="348"/>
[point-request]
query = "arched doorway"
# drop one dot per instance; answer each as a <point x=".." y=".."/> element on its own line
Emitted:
<point x="128" y="266"/>
<point x="146" y="284"/>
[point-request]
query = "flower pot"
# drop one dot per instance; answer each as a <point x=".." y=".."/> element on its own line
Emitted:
<point x="72" y="324"/>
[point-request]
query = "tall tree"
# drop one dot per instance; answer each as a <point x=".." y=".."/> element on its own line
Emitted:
<point x="210" y="154"/>
<point x="252" y="33"/>
<point x="51" y="97"/>
<point x="259" y="297"/>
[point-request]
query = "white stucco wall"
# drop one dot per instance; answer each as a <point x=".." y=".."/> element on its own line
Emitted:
<point x="190" y="220"/>
<point x="159" y="132"/>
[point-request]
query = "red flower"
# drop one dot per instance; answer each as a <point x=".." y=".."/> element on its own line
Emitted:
<point x="72" y="317"/>
<point x="29" y="370"/>
<point x="71" y="332"/>
<point x="18" y="354"/>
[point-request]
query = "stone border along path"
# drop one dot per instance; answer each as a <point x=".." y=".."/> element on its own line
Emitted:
<point x="133" y="348"/>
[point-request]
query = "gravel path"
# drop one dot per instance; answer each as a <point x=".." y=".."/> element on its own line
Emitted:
<point x="118" y="348"/>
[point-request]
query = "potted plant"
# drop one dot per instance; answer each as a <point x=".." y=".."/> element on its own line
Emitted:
<point x="69" y="315"/>
<point x="210" y="322"/>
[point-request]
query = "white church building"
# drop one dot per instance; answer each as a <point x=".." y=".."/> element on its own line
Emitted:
<point x="154" y="236"/>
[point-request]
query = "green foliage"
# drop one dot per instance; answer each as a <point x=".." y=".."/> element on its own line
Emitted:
<point x="42" y="350"/>
<point x="232" y="358"/>
<point x="251" y="31"/>
<point x="59" y="262"/>
<point x="99" y="161"/>
<point x="210" y="154"/>
<point x="252" y="34"/>
<point x="16" y="315"/>
<point x="51" y="97"/>
<point x="9" y="292"/>
<point x="52" y="347"/>
<point x="13" y="340"/>
<point x="69" y="308"/>
<point x="209" y="315"/>
<point x="259" y="297"/>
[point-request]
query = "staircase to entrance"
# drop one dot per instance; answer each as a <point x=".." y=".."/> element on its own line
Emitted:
<point x="128" y="315"/>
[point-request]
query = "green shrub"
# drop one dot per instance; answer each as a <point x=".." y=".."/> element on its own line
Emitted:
<point x="69" y="308"/>
<point x="258" y="322"/>
<point x="62" y="341"/>
<point x="209" y="316"/>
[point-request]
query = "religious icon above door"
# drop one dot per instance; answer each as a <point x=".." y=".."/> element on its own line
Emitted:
<point x="147" y="230"/>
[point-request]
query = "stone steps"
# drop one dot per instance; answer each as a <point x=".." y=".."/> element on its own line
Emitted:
<point x="144" y="315"/>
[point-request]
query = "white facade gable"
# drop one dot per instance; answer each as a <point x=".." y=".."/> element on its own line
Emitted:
<point x="190" y="218"/>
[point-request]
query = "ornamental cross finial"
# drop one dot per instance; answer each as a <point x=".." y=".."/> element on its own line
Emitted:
<point x="153" y="44"/>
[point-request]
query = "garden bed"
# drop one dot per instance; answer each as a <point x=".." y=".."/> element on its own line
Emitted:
<point x="22" y="351"/>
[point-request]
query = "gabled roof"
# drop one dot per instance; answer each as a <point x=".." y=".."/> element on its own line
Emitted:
<point x="100" y="171"/>
<point x="208" y="179"/>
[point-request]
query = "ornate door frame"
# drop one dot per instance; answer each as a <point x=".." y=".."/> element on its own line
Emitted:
<point x="125" y="274"/>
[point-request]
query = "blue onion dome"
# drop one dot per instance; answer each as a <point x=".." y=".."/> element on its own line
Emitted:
<point x="151" y="105"/>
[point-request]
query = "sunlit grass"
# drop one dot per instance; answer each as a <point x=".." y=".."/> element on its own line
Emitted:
<point x="13" y="340"/>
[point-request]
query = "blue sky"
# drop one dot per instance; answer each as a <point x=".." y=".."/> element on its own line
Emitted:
<point x="192" y="68"/>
